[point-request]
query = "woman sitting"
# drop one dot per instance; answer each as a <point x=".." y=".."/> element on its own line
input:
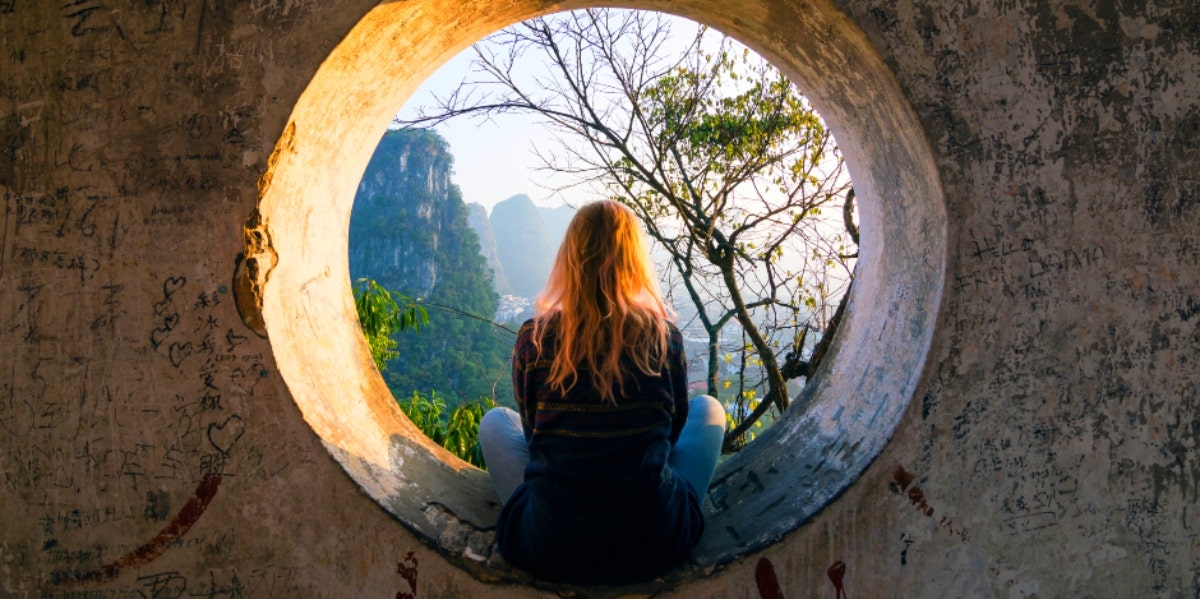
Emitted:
<point x="603" y="470"/>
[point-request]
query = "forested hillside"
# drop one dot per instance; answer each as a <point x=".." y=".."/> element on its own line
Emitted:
<point x="409" y="232"/>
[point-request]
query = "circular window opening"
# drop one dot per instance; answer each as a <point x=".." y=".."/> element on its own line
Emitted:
<point x="852" y="405"/>
<point x="506" y="119"/>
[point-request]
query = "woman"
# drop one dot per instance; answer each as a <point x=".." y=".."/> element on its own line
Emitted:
<point x="603" y="470"/>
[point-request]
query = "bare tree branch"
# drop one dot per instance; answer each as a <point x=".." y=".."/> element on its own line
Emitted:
<point x="721" y="158"/>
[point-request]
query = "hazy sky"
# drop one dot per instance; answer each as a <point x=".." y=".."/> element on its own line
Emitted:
<point x="493" y="160"/>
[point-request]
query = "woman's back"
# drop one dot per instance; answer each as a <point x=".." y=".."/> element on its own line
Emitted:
<point x="599" y="502"/>
<point x="602" y="470"/>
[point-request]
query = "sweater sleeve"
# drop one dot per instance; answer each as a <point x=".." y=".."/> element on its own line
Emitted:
<point x="679" y="388"/>
<point x="522" y="352"/>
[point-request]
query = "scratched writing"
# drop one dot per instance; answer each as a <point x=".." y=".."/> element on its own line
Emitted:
<point x="197" y="126"/>
<point x="1020" y="268"/>
<point x="110" y="310"/>
<point x="80" y="428"/>
<point x="230" y="583"/>
<point x="29" y="309"/>
<point x="168" y="13"/>
<point x="78" y="158"/>
<point x="283" y="9"/>
<point x="65" y="521"/>
<point x="94" y="594"/>
<point x="165" y="584"/>
<point x="36" y="208"/>
<point x="1031" y="522"/>
<point x="85" y="17"/>
<point x="1066" y="260"/>
<point x="61" y="231"/>
<point x="67" y="260"/>
<point x="235" y="53"/>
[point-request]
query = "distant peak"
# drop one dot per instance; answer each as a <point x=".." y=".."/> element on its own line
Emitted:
<point x="520" y="198"/>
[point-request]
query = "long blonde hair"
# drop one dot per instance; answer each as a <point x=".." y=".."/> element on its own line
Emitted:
<point x="602" y="302"/>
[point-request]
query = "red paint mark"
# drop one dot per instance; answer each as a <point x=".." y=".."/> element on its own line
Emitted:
<point x="903" y="478"/>
<point x="409" y="574"/>
<point x="768" y="583"/>
<point x="836" y="572"/>
<point x="917" y="498"/>
<point x="902" y="484"/>
<point x="183" y="521"/>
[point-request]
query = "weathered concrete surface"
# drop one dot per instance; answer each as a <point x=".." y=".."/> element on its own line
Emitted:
<point x="808" y="457"/>
<point x="150" y="446"/>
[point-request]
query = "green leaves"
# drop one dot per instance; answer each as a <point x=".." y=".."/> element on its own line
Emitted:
<point x="457" y="431"/>
<point x="381" y="313"/>
<point x="726" y="114"/>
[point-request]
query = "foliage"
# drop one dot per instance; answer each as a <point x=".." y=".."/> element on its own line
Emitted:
<point x="382" y="313"/>
<point x="409" y="232"/>
<point x="731" y="172"/>
<point x="457" y="431"/>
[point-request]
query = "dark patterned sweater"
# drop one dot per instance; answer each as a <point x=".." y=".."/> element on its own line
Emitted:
<point x="599" y="503"/>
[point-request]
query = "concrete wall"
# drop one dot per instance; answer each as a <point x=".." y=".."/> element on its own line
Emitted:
<point x="151" y="446"/>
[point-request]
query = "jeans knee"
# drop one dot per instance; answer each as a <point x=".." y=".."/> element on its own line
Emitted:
<point x="495" y="424"/>
<point x="708" y="408"/>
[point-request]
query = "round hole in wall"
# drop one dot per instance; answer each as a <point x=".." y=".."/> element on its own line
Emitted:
<point x="851" y="407"/>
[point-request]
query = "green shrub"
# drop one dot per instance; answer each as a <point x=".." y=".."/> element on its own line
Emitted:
<point x="457" y="431"/>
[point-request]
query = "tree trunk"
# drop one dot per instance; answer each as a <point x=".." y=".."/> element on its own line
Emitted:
<point x="777" y="393"/>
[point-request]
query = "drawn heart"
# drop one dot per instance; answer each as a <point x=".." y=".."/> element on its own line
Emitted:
<point x="179" y="352"/>
<point x="157" y="336"/>
<point x="223" y="436"/>
<point x="173" y="284"/>
<point x="161" y="308"/>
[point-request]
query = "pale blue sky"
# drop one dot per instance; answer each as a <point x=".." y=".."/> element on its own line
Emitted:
<point x="493" y="160"/>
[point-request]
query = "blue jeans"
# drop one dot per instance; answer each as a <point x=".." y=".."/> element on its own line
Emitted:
<point x="694" y="456"/>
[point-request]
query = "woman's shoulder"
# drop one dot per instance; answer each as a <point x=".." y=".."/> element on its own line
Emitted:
<point x="673" y="332"/>
<point x="525" y="333"/>
<point x="525" y="336"/>
<point x="675" y="349"/>
<point x="526" y="327"/>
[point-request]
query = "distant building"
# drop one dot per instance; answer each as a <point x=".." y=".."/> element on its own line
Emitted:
<point x="514" y="308"/>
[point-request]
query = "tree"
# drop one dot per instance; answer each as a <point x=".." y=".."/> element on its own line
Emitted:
<point x="409" y="232"/>
<point x="731" y="172"/>
<point x="382" y="313"/>
<point x="381" y="317"/>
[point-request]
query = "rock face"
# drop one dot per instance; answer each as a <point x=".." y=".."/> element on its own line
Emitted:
<point x="523" y="248"/>
<point x="518" y="218"/>
<point x="555" y="221"/>
<point x="403" y="204"/>
<point x="477" y="217"/>
<point x="409" y="232"/>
